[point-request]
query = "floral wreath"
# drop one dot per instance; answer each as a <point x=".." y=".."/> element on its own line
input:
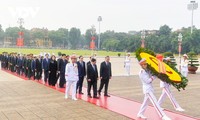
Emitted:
<point x="161" y="76"/>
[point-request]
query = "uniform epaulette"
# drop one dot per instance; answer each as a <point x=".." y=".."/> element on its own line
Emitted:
<point x="142" y="71"/>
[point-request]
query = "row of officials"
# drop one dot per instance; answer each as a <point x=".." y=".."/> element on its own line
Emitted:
<point x="64" y="72"/>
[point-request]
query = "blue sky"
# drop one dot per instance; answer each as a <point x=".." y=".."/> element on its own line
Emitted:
<point x="117" y="15"/>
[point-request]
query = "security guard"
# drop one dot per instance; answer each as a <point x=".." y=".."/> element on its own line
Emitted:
<point x="127" y="64"/>
<point x="184" y="65"/>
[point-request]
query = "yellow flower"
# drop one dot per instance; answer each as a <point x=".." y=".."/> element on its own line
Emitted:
<point x="153" y="62"/>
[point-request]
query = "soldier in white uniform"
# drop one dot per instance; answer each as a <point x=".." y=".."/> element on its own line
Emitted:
<point x="71" y="76"/>
<point x="95" y="55"/>
<point x="167" y="92"/>
<point x="127" y="64"/>
<point x="184" y="65"/>
<point x="147" y="78"/>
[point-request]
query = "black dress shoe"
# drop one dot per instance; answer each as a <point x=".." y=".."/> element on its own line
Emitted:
<point x="89" y="96"/>
<point x="81" y="93"/>
<point x="99" y="93"/>
<point x="96" y="97"/>
<point x="107" y="95"/>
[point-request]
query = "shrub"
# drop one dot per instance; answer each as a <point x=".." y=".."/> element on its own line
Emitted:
<point x="193" y="60"/>
<point x="59" y="53"/>
<point x="119" y="54"/>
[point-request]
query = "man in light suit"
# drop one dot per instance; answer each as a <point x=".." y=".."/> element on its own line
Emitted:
<point x="105" y="75"/>
<point x="81" y="74"/>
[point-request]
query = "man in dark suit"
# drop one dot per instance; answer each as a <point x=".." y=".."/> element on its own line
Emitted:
<point x="5" y="60"/>
<point x="61" y="69"/>
<point x="45" y="67"/>
<point x="81" y="74"/>
<point x="13" y="62"/>
<point x="24" y="65"/>
<point x="28" y="66"/>
<point x="39" y="67"/>
<point x="92" y="76"/>
<point x="89" y="62"/>
<point x="19" y="65"/>
<point x="105" y="75"/>
<point x="33" y="67"/>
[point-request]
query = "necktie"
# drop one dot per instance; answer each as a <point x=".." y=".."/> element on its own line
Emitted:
<point x="93" y="67"/>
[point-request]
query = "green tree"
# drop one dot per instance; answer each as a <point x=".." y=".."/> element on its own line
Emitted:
<point x="195" y="41"/>
<point x="164" y="30"/>
<point x="27" y="36"/>
<point x="74" y="37"/>
<point x="1" y="34"/>
<point x="13" y="33"/>
<point x="63" y="34"/>
<point x="105" y="36"/>
<point x="37" y="33"/>
<point x="111" y="44"/>
<point x="59" y="37"/>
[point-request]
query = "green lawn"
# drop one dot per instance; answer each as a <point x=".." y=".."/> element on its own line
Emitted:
<point x="55" y="51"/>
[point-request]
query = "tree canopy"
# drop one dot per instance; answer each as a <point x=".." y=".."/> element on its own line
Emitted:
<point x="162" y="40"/>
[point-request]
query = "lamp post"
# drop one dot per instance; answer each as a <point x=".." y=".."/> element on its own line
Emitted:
<point x="20" y="22"/>
<point x="143" y="37"/>
<point x="92" y="43"/>
<point x="179" y="49"/>
<point x="99" y="20"/>
<point x="192" y="6"/>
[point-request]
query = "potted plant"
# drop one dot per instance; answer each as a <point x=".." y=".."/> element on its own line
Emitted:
<point x="193" y="62"/>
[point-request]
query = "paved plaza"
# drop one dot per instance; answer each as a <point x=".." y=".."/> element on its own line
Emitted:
<point x="20" y="99"/>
